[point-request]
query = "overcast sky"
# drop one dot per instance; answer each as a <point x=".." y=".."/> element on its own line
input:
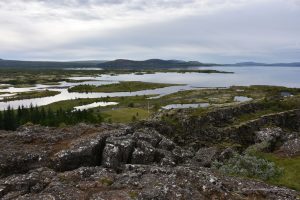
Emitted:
<point x="222" y="31"/>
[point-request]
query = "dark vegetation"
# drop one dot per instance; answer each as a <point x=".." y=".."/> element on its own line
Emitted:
<point x="11" y="119"/>
<point x="249" y="166"/>
<point x="17" y="64"/>
<point x="30" y="77"/>
<point x="124" y="86"/>
<point x="293" y="64"/>
<point x="116" y="64"/>
<point x="31" y="95"/>
<point x="150" y="64"/>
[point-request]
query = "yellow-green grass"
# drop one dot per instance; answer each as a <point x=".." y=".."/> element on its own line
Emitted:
<point x="3" y="87"/>
<point x="291" y="170"/>
<point x="125" y="115"/>
<point x="124" y="86"/>
<point x="135" y="101"/>
<point x="31" y="95"/>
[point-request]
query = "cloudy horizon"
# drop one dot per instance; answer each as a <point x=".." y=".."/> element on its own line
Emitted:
<point x="219" y="31"/>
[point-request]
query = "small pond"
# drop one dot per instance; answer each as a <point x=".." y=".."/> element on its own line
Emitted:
<point x="242" y="99"/>
<point x="178" y="106"/>
<point x="94" y="105"/>
<point x="286" y="94"/>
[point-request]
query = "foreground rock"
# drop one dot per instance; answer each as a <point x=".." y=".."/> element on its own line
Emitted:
<point x="135" y="182"/>
<point x="132" y="162"/>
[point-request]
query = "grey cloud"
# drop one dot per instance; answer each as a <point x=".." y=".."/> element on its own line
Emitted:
<point x="265" y="30"/>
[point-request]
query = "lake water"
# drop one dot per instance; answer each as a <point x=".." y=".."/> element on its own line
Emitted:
<point x="242" y="99"/>
<point x="194" y="105"/>
<point x="243" y="76"/>
<point x="94" y="105"/>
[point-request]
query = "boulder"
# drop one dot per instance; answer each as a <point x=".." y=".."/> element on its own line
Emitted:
<point x="290" y="148"/>
<point x="205" y="156"/>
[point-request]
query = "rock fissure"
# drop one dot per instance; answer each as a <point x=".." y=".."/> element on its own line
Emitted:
<point x="142" y="161"/>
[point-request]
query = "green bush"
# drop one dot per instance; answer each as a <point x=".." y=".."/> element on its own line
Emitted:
<point x="248" y="166"/>
<point x="131" y="105"/>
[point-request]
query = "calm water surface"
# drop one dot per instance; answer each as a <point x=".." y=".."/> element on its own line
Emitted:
<point x="243" y="76"/>
<point x="194" y="105"/>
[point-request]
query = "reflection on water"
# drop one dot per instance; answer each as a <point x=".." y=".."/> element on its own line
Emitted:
<point x="286" y="94"/>
<point x="94" y="105"/>
<point x="65" y="95"/>
<point x="84" y="68"/>
<point x="177" y="106"/>
<point x="243" y="76"/>
<point x="242" y="99"/>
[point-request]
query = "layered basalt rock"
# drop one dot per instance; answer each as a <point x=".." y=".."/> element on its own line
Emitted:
<point x="219" y="125"/>
<point x="136" y="182"/>
<point x="138" y="161"/>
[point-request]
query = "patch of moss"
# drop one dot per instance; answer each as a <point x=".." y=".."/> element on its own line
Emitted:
<point x="133" y="194"/>
<point x="106" y="181"/>
<point x="125" y="115"/>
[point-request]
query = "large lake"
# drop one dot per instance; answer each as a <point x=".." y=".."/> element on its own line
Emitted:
<point x="242" y="76"/>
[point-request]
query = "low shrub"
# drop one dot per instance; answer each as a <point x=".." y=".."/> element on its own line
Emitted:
<point x="248" y="166"/>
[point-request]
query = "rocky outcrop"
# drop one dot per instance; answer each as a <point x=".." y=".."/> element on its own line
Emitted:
<point x="218" y="125"/>
<point x="138" y="161"/>
<point x="61" y="149"/>
<point x="290" y="148"/>
<point x="136" y="182"/>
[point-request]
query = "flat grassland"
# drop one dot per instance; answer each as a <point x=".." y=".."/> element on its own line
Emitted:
<point x="31" y="95"/>
<point x="124" y="86"/>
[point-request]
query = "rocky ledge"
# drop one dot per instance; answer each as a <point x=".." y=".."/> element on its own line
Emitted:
<point x="136" y="161"/>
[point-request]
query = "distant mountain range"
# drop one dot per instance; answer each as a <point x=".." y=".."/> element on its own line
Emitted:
<point x="116" y="64"/>
<point x="150" y="64"/>
<point x="125" y="64"/>
<point x="294" y="64"/>
<point x="47" y="64"/>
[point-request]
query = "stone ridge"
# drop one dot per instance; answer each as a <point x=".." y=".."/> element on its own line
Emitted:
<point x="137" y="161"/>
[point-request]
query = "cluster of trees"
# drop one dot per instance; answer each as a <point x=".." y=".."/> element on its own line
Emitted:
<point x="11" y="119"/>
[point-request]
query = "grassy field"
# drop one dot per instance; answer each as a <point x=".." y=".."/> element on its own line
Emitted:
<point x="125" y="115"/>
<point x="124" y="102"/>
<point x="3" y="87"/>
<point x="31" y="95"/>
<point x="125" y="86"/>
<point x="128" y="109"/>
<point x="29" y="78"/>
<point x="291" y="170"/>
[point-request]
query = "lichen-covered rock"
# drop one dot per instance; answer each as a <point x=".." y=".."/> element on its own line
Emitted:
<point x="147" y="160"/>
<point x="82" y="153"/>
<point x="144" y="153"/>
<point x="166" y="144"/>
<point x="143" y="182"/>
<point x="206" y="156"/>
<point x="269" y="134"/>
<point x="148" y="135"/>
<point x="117" y="151"/>
<point x="290" y="148"/>
<point x="226" y="154"/>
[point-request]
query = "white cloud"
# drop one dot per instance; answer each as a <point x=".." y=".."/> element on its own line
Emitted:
<point x="100" y="29"/>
